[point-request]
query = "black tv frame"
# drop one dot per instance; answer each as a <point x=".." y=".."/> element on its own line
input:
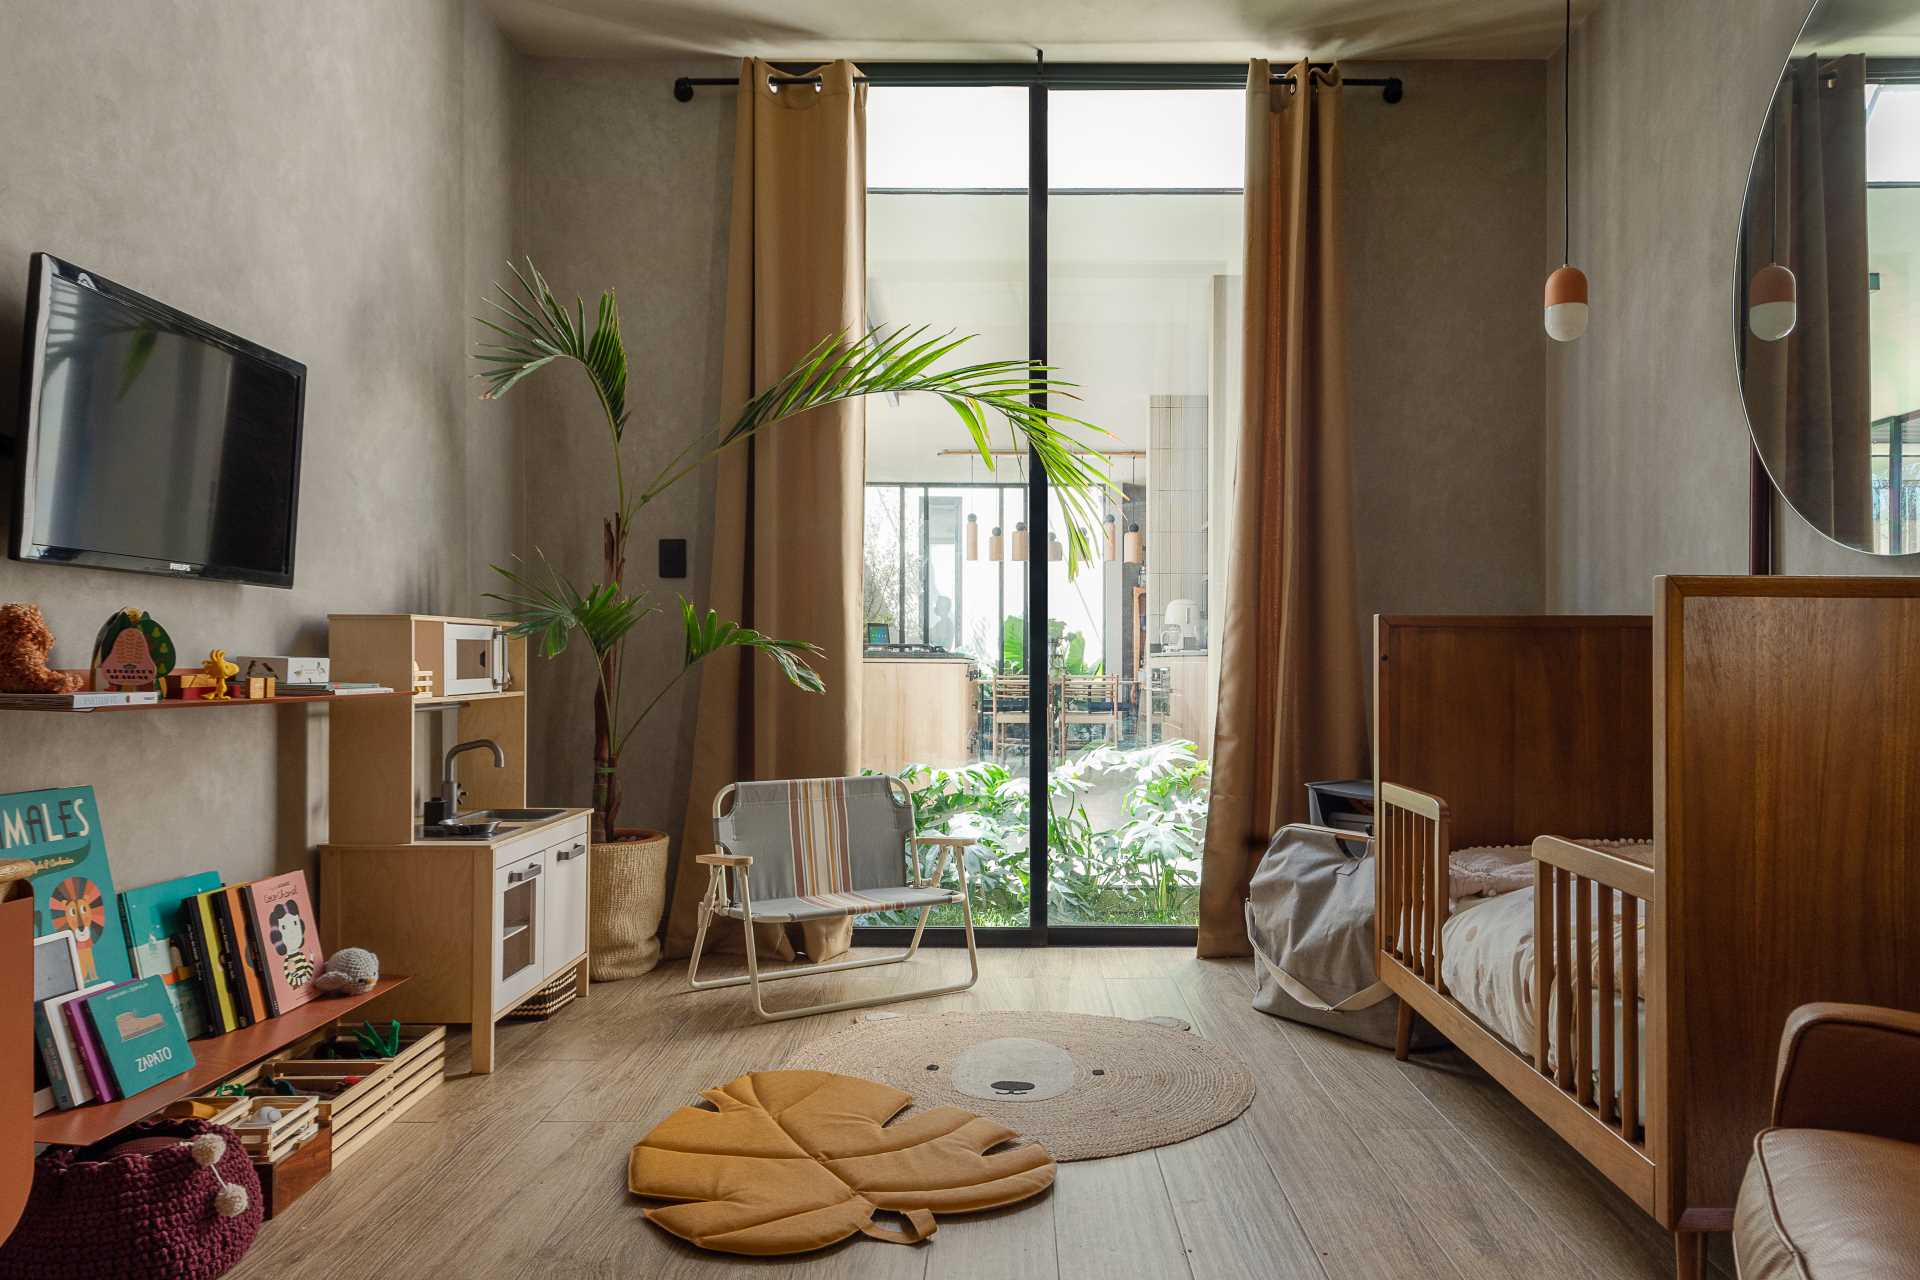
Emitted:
<point x="45" y="268"/>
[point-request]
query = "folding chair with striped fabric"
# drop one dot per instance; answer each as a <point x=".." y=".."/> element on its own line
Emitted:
<point x="819" y="849"/>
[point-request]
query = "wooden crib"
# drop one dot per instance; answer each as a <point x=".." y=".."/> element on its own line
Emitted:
<point x="1766" y="733"/>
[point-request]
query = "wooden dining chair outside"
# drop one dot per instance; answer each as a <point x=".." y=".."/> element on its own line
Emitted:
<point x="822" y="849"/>
<point x="1008" y="698"/>
<point x="1089" y="700"/>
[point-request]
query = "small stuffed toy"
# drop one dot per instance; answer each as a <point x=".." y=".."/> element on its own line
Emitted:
<point x="25" y="642"/>
<point x="348" y="972"/>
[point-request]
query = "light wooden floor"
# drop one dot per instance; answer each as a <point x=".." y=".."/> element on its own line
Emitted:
<point x="1346" y="1165"/>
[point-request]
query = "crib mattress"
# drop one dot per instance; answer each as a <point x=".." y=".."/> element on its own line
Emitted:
<point x="1487" y="963"/>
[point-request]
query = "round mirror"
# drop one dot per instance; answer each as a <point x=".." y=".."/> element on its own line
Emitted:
<point x="1828" y="301"/>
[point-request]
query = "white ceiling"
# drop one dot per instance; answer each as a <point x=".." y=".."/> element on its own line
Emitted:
<point x="1009" y="30"/>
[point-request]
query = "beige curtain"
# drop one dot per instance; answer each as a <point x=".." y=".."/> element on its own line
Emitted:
<point x="1291" y="707"/>
<point x="788" y="506"/>
<point x="1810" y="397"/>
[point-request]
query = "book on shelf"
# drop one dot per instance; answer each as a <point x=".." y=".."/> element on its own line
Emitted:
<point x="139" y="1035"/>
<point x="60" y="1050"/>
<point x="243" y="978"/>
<point x="213" y="970"/>
<point x="286" y="935"/>
<point x="337" y="688"/>
<point x="159" y="919"/>
<point x="59" y="829"/>
<point x="76" y="701"/>
<point x="87" y="1040"/>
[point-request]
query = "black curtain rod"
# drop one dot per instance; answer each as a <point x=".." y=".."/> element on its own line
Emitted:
<point x="1055" y="75"/>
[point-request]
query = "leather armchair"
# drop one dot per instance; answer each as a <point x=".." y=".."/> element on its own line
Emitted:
<point x="1833" y="1188"/>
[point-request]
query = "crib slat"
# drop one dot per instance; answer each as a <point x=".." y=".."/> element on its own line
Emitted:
<point x="1442" y="897"/>
<point x="1630" y="1018"/>
<point x="1562" y="982"/>
<point x="1603" y="930"/>
<point x="1583" y="990"/>
<point x="1543" y="974"/>
<point x="1434" y="890"/>
<point x="1406" y="889"/>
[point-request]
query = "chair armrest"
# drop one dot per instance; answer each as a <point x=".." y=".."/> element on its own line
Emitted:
<point x="723" y="860"/>
<point x="950" y="847"/>
<point x="1849" y="1067"/>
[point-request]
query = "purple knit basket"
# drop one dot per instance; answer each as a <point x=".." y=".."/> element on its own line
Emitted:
<point x="142" y="1216"/>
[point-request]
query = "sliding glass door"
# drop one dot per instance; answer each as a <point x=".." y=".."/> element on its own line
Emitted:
<point x="1100" y="230"/>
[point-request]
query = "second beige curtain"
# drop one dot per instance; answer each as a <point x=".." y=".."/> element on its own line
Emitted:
<point x="788" y="505"/>
<point x="1810" y="397"/>
<point x="1292" y="708"/>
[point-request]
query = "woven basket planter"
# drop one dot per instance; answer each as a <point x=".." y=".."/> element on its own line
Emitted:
<point x="142" y="1216"/>
<point x="627" y="900"/>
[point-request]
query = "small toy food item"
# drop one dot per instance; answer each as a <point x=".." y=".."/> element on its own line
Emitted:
<point x="25" y="643"/>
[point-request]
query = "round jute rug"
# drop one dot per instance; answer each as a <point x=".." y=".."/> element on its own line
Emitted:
<point x="1082" y="1086"/>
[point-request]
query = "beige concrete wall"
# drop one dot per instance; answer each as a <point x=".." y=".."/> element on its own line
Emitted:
<point x="1444" y="213"/>
<point x="1647" y="468"/>
<point x="312" y="176"/>
<point x="621" y="187"/>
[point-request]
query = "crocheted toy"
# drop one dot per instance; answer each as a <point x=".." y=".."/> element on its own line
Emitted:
<point x="25" y="642"/>
<point x="348" y="972"/>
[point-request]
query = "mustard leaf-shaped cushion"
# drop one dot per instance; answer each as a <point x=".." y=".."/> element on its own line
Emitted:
<point x="789" y="1161"/>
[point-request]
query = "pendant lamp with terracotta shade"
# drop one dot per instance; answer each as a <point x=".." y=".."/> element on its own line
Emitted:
<point x="996" y="545"/>
<point x="1113" y="538"/>
<point x="1136" y="545"/>
<point x="1056" y="550"/>
<point x="1773" y="295"/>
<point x="1566" y="300"/>
<point x="1020" y="540"/>
<point x="973" y="536"/>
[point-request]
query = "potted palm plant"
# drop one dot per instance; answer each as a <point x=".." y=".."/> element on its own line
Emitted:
<point x="534" y="331"/>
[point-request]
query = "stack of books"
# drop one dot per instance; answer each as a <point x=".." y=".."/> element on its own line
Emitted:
<point x="123" y="980"/>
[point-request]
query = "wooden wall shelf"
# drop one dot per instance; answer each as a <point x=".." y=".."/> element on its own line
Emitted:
<point x="214" y="1059"/>
<point x="188" y="704"/>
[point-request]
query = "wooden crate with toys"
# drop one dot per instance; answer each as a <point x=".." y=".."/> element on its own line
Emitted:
<point x="365" y="1079"/>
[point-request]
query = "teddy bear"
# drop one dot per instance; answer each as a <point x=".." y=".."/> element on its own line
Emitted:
<point x="25" y="642"/>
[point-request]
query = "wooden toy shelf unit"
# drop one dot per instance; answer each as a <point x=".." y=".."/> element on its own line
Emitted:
<point x="481" y="922"/>
<point x="375" y="755"/>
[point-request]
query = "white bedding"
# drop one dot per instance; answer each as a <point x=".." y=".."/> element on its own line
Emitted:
<point x="1487" y="954"/>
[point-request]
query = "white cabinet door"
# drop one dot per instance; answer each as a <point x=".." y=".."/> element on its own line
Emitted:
<point x="566" y="901"/>
<point x="520" y="931"/>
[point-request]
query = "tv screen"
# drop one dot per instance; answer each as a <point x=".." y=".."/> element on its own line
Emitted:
<point x="150" y="440"/>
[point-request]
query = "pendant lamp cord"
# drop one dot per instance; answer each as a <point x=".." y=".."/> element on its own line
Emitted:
<point x="1566" y="146"/>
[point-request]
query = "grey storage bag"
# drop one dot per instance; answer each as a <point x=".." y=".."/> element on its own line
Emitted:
<point x="1310" y="919"/>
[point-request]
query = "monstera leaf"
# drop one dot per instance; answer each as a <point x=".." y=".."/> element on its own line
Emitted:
<point x="794" y="1160"/>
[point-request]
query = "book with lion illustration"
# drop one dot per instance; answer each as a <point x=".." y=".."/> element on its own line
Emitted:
<point x="60" y="830"/>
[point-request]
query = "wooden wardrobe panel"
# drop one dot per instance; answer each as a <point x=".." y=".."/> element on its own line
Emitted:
<point x="1789" y="857"/>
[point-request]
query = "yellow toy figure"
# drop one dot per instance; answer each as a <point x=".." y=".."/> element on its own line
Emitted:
<point x="221" y="670"/>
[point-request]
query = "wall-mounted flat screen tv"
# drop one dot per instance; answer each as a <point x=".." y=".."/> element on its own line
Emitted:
<point x="150" y="440"/>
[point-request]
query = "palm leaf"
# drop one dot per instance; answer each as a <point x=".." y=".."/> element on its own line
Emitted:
<point x="710" y="634"/>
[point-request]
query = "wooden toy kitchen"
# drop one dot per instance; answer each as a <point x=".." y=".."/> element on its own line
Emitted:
<point x="434" y="860"/>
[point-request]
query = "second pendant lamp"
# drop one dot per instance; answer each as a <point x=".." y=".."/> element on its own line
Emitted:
<point x="1566" y="297"/>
